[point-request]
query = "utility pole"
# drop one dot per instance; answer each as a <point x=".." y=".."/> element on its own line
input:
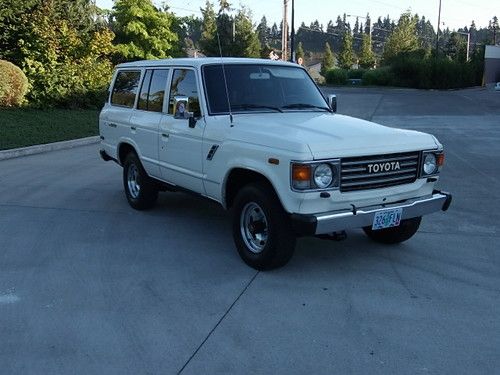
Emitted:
<point x="437" y="36"/>
<point x="284" y="31"/>
<point x="292" y="38"/>
<point x="468" y="43"/>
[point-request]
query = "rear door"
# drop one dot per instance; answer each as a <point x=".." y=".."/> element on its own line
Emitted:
<point x="145" y="119"/>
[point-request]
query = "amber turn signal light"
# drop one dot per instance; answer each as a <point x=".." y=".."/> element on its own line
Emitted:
<point x="440" y="160"/>
<point x="301" y="172"/>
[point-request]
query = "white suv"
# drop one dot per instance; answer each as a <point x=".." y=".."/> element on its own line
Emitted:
<point x="258" y="137"/>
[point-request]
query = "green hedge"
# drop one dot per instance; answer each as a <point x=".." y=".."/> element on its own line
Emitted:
<point x="378" y="77"/>
<point x="355" y="73"/>
<point x="13" y="85"/>
<point x="336" y="76"/>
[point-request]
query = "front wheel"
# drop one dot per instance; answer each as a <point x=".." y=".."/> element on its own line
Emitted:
<point x="261" y="228"/>
<point x="406" y="230"/>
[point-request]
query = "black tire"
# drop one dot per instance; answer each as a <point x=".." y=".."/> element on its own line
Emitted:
<point x="147" y="193"/>
<point x="395" y="235"/>
<point x="279" y="246"/>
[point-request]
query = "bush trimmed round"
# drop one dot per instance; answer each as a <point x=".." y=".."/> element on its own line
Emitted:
<point x="13" y="85"/>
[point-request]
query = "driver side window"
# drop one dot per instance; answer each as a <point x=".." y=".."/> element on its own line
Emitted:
<point x="184" y="85"/>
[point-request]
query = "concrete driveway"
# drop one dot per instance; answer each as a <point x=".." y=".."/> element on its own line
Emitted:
<point x="90" y="286"/>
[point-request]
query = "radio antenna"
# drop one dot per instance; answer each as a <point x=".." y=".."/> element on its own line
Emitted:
<point x="225" y="79"/>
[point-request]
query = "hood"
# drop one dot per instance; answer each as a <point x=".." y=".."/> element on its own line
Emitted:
<point x="327" y="135"/>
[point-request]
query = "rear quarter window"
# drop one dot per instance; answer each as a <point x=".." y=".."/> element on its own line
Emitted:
<point x="125" y="88"/>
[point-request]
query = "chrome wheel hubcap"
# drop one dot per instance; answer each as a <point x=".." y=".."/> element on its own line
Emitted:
<point x="254" y="227"/>
<point x="133" y="181"/>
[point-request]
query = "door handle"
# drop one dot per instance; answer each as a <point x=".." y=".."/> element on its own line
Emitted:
<point x="111" y="125"/>
<point x="133" y="128"/>
<point x="165" y="135"/>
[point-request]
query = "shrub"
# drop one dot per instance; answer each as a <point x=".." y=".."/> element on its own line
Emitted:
<point x="13" y="85"/>
<point x="433" y="73"/>
<point x="336" y="77"/>
<point x="378" y="77"/>
<point x="355" y="73"/>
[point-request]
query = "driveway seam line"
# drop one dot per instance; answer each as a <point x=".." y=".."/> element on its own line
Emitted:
<point x="374" y="113"/>
<point x="219" y="322"/>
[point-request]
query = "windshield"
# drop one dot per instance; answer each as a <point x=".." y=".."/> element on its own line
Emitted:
<point x="261" y="88"/>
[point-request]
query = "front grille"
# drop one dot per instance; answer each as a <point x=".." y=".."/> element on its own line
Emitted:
<point x="378" y="171"/>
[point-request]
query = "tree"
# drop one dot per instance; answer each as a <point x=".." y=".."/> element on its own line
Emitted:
<point x="246" y="41"/>
<point x="346" y="56"/>
<point x="403" y="38"/>
<point x="368" y="24"/>
<point x="64" y="65"/>
<point x="263" y="31"/>
<point x="456" y="47"/>
<point x="188" y="30"/>
<point x="208" y="41"/>
<point x="366" y="55"/>
<point x="236" y="33"/>
<point x="142" y="31"/>
<point x="328" y="60"/>
<point x="300" y="52"/>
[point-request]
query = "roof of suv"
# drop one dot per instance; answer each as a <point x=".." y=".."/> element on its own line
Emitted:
<point x="197" y="62"/>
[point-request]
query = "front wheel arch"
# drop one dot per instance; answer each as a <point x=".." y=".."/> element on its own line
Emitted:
<point x="239" y="177"/>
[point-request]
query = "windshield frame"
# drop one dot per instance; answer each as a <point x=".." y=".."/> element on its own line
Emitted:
<point x="207" y="101"/>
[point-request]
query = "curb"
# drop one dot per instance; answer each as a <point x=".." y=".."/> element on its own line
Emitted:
<point x="38" y="149"/>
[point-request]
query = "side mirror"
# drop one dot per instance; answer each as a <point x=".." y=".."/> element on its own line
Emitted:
<point x="332" y="102"/>
<point x="181" y="107"/>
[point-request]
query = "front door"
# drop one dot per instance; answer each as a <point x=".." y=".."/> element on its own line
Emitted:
<point x="181" y="145"/>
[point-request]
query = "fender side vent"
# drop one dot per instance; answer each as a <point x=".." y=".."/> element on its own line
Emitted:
<point x="212" y="152"/>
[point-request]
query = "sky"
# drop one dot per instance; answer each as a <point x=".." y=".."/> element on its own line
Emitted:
<point x="454" y="13"/>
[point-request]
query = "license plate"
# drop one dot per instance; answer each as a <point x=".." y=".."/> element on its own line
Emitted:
<point x="387" y="218"/>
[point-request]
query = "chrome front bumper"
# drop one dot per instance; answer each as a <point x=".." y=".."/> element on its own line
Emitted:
<point x="335" y="221"/>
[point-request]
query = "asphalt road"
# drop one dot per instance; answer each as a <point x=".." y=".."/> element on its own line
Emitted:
<point x="90" y="286"/>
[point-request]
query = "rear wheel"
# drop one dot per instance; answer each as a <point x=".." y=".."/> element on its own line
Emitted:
<point x="406" y="229"/>
<point x="261" y="228"/>
<point x="141" y="191"/>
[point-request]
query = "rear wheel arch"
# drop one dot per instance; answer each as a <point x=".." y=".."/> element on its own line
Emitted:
<point x="124" y="149"/>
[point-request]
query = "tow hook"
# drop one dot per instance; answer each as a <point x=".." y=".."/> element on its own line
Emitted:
<point x="335" y="236"/>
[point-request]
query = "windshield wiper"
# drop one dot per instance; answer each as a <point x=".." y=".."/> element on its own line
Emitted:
<point x="257" y="106"/>
<point x="305" y="106"/>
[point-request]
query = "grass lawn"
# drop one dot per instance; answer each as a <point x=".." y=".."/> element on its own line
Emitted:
<point x="20" y="127"/>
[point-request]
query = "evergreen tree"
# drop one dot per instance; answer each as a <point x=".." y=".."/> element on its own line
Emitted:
<point x="368" y="24"/>
<point x="366" y="55"/>
<point x="356" y="26"/>
<point x="237" y="34"/>
<point x="328" y="60"/>
<point x="346" y="56"/>
<point x="403" y="38"/>
<point x="263" y="31"/>
<point x="300" y="52"/>
<point x="142" y="31"/>
<point x="208" y="42"/>
<point x="456" y="47"/>
<point x="246" y="43"/>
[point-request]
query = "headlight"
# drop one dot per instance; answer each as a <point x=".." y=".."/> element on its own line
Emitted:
<point x="430" y="164"/>
<point x="314" y="176"/>
<point x="323" y="176"/>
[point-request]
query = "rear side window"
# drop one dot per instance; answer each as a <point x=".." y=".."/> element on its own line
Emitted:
<point x="153" y="90"/>
<point x="125" y="88"/>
